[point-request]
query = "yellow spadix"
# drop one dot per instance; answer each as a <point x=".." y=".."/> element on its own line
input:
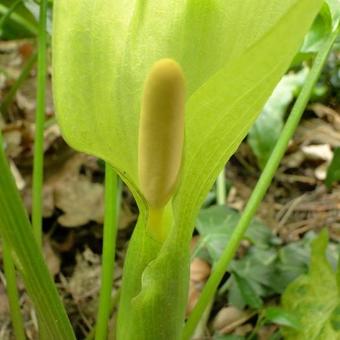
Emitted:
<point x="161" y="132"/>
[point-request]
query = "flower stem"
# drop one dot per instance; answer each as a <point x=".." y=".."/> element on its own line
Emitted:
<point x="109" y="249"/>
<point x="38" y="162"/>
<point x="259" y="190"/>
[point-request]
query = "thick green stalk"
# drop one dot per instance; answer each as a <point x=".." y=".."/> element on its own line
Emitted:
<point x="109" y="249"/>
<point x="23" y="76"/>
<point x="17" y="233"/>
<point x="260" y="190"/>
<point x="12" y="294"/>
<point x="39" y="125"/>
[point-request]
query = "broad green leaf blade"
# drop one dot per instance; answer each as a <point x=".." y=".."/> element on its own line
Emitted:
<point x="314" y="298"/>
<point x="17" y="233"/>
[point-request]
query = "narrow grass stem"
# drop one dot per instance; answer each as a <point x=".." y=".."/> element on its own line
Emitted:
<point x="259" y="190"/>
<point x="39" y="125"/>
<point x="109" y="249"/>
<point x="22" y="77"/>
<point x="12" y="293"/>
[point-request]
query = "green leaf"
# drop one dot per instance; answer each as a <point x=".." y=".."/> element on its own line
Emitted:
<point x="232" y="54"/>
<point x="292" y="261"/>
<point x="257" y="267"/>
<point x="314" y="298"/>
<point x="316" y="37"/>
<point x="320" y="29"/>
<point x="281" y="317"/>
<point x="20" y="24"/>
<point x="250" y="296"/>
<point x="333" y="171"/>
<point x="17" y="232"/>
<point x="216" y="224"/>
<point x="334" y="7"/>
<point x="268" y="126"/>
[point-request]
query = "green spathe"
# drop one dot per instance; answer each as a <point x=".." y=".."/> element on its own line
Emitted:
<point x="232" y="54"/>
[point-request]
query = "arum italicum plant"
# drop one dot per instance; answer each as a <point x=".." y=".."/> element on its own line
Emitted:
<point x="165" y="91"/>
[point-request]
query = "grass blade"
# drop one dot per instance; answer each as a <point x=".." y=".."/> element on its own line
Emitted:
<point x="18" y="235"/>
<point x="12" y="293"/>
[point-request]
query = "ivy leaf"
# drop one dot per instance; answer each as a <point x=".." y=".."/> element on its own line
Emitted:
<point x="281" y="317"/>
<point x="249" y="294"/>
<point x="268" y="126"/>
<point x="216" y="224"/>
<point x="232" y="54"/>
<point x="314" y="298"/>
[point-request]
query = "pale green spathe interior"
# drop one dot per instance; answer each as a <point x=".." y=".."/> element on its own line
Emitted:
<point x="113" y="44"/>
<point x="232" y="54"/>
